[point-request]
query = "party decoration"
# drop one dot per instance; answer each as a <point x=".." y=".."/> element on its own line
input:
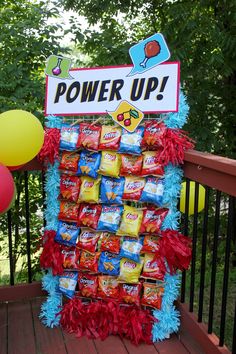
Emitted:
<point x="201" y="198"/>
<point x="128" y="117"/>
<point x="14" y="168"/>
<point x="7" y="189"/>
<point x="58" y="67"/>
<point x="21" y="137"/>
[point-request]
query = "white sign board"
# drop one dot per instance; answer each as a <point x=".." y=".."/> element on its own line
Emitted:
<point x="98" y="90"/>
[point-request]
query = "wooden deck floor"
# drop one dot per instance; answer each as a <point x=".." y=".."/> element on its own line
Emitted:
<point x="21" y="332"/>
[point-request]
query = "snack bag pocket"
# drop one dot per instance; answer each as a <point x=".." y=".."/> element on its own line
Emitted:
<point x="130" y="293"/>
<point x="109" y="263"/>
<point x="110" y="137"/>
<point x="69" y="162"/>
<point x="131" y="249"/>
<point x="131" y="165"/>
<point x="69" y="137"/>
<point x="108" y="287"/>
<point x="110" y="218"/>
<point x="133" y="188"/>
<point x="151" y="269"/>
<point x="88" y="285"/>
<point x="151" y="166"/>
<point x="89" y="215"/>
<point x="68" y="211"/>
<point x="67" y="233"/>
<point x="110" y="164"/>
<point x="89" y="163"/>
<point x="130" y="271"/>
<point x="89" y="136"/>
<point x="69" y="188"/>
<point x="89" y="190"/>
<point x="130" y="222"/>
<point x="153" y="191"/>
<point x="152" y="295"/>
<point x="112" y="190"/>
<point x="67" y="283"/>
<point x="130" y="143"/>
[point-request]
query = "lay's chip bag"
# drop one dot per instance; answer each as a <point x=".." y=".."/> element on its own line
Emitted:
<point x="130" y="222"/>
<point x="110" y="138"/>
<point x="69" y="137"/>
<point x="130" y="270"/>
<point x="110" y="218"/>
<point x="151" y="166"/>
<point x="153" y="191"/>
<point x="89" y="163"/>
<point x="110" y="164"/>
<point x="112" y="190"/>
<point x="130" y="143"/>
<point x="133" y="188"/>
<point x="89" y="190"/>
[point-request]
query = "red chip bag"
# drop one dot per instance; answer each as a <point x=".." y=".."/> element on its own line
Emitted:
<point x="152" y="220"/>
<point x="152" y="295"/>
<point x="69" y="188"/>
<point x="150" y="244"/>
<point x="151" y="268"/>
<point x="110" y="243"/>
<point x="151" y="165"/>
<point x="70" y="259"/>
<point x="131" y="165"/>
<point x="153" y="133"/>
<point x="69" y="162"/>
<point x="110" y="137"/>
<point x="88" y="285"/>
<point x="108" y="287"/>
<point x="88" y="240"/>
<point x="89" y="136"/>
<point x="130" y="293"/>
<point x="133" y="188"/>
<point x="89" y="261"/>
<point x="89" y="215"/>
<point x="68" y="211"/>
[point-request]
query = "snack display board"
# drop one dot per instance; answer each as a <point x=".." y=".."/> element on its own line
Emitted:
<point x="111" y="246"/>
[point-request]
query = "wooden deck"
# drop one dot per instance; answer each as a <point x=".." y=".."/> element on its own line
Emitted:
<point x="21" y="332"/>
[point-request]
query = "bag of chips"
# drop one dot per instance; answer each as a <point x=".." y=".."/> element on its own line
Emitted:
<point x="110" y="164"/>
<point x="67" y="233"/>
<point x="69" y="188"/>
<point x="152" y="295"/>
<point x="151" y="165"/>
<point x="110" y="243"/>
<point x="131" y="249"/>
<point x="89" y="261"/>
<point x="112" y="190"/>
<point x="89" y="215"/>
<point x="130" y="271"/>
<point x="70" y="259"/>
<point x="69" y="137"/>
<point x="69" y="162"/>
<point x="130" y="293"/>
<point x="89" y="190"/>
<point x="153" y="191"/>
<point x="110" y="218"/>
<point x="108" y="287"/>
<point x="130" y="143"/>
<point x="150" y="268"/>
<point x="109" y="263"/>
<point x="152" y="220"/>
<point x="67" y="283"/>
<point x="110" y="138"/>
<point x="88" y="285"/>
<point x="133" y="188"/>
<point x="88" y="240"/>
<point x="68" y="211"/>
<point x="89" y="163"/>
<point x="153" y="133"/>
<point x="150" y="244"/>
<point x="89" y="136"/>
<point x="130" y="222"/>
<point x="131" y="165"/>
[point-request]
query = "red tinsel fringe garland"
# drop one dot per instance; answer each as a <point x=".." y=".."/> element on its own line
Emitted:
<point x="175" y="142"/>
<point x="51" y="256"/>
<point x="101" y="319"/>
<point x="50" y="149"/>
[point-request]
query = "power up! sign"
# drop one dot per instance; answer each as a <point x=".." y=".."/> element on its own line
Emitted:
<point x="92" y="91"/>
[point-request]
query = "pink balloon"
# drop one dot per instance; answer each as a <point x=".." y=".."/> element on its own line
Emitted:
<point x="14" y="168"/>
<point x="7" y="188"/>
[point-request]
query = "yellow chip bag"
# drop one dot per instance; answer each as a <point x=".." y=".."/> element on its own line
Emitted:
<point x="110" y="164"/>
<point x="110" y="138"/>
<point x="89" y="191"/>
<point x="130" y="222"/>
<point x="130" y="271"/>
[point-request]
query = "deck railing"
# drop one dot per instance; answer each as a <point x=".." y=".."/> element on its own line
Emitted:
<point x="213" y="232"/>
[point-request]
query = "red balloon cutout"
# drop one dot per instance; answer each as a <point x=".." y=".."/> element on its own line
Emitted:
<point x="7" y="188"/>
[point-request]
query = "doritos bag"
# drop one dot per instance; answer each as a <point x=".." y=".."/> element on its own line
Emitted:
<point x="89" y="215"/>
<point x="67" y="233"/>
<point x="110" y="164"/>
<point x="69" y="188"/>
<point x="150" y="268"/>
<point x="108" y="287"/>
<point x="130" y="293"/>
<point x="67" y="283"/>
<point x="130" y="270"/>
<point x="130" y="222"/>
<point x="153" y="191"/>
<point x="133" y="188"/>
<point x="70" y="259"/>
<point x="152" y="295"/>
<point x="131" y="165"/>
<point x="110" y="138"/>
<point x="89" y="190"/>
<point x="151" y="165"/>
<point x="109" y="263"/>
<point x="110" y="218"/>
<point x="150" y="244"/>
<point x="152" y="220"/>
<point x="88" y="285"/>
<point x="69" y="162"/>
<point x="110" y="243"/>
<point x="69" y="137"/>
<point x="68" y="211"/>
<point x="89" y="261"/>
<point x="131" y="249"/>
<point x="112" y="190"/>
<point x="89" y="136"/>
<point x="130" y="143"/>
<point x="88" y="240"/>
<point x="153" y="134"/>
<point x="89" y="163"/>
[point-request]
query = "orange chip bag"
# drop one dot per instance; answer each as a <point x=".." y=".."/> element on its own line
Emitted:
<point x="152" y="220"/>
<point x="69" y="162"/>
<point x="89" y="190"/>
<point x="131" y="165"/>
<point x="110" y="138"/>
<point x="89" y="261"/>
<point x="89" y="136"/>
<point x="88" y="285"/>
<point x="130" y="270"/>
<point x="130" y="222"/>
<point x="110" y="243"/>
<point x="108" y="287"/>
<point x="133" y="188"/>
<point x="89" y="215"/>
<point x="69" y="188"/>
<point x="152" y="295"/>
<point x="110" y="164"/>
<point x="130" y="293"/>
<point x="88" y="240"/>
<point x="151" y="165"/>
<point x="150" y="244"/>
<point x="70" y="259"/>
<point x="151" y="269"/>
<point x="153" y="134"/>
<point x="68" y="211"/>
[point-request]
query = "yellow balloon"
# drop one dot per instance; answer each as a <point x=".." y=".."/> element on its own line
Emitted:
<point x="201" y="198"/>
<point x="21" y="137"/>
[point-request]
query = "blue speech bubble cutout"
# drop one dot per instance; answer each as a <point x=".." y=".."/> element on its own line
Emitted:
<point x="148" y="53"/>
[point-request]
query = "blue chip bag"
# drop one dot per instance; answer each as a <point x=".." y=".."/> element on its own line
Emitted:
<point x="69" y="137"/>
<point x="67" y="233"/>
<point x="67" y="283"/>
<point x="131" y="249"/>
<point x="89" y="163"/>
<point x="130" y="143"/>
<point x="112" y="190"/>
<point x="109" y="263"/>
<point x="153" y="191"/>
<point x="110" y="218"/>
